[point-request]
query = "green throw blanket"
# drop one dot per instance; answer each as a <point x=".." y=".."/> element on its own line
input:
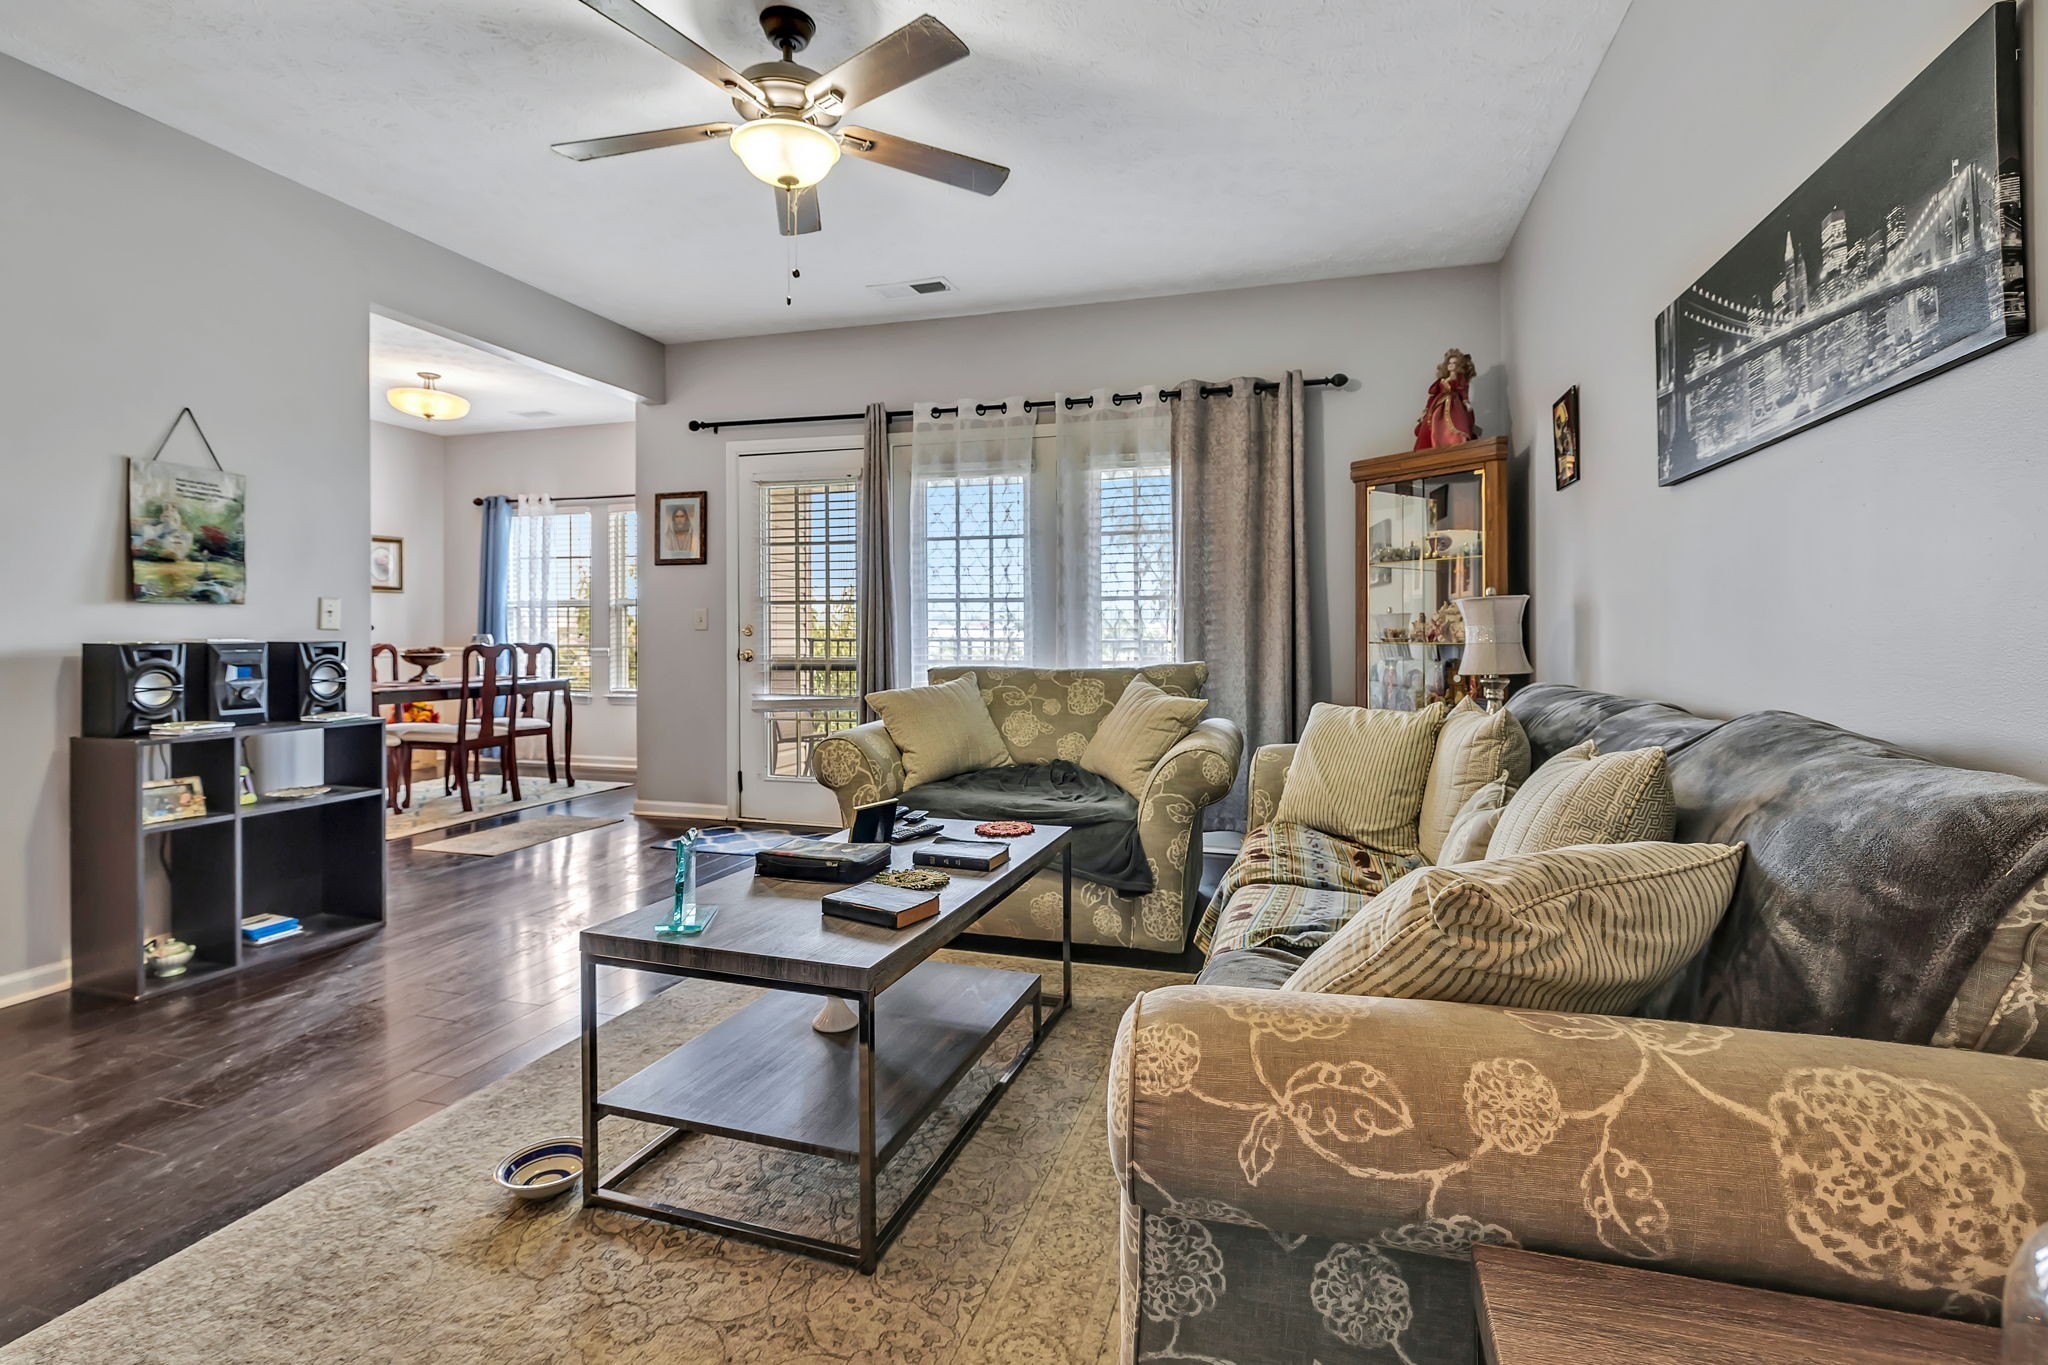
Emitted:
<point x="1104" y="815"/>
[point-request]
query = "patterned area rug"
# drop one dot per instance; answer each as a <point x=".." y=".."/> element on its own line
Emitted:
<point x="489" y="843"/>
<point x="410" y="1252"/>
<point x="431" y="811"/>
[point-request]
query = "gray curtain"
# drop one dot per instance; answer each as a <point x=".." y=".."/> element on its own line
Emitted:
<point x="494" y="565"/>
<point x="1242" y="549"/>
<point x="876" y="587"/>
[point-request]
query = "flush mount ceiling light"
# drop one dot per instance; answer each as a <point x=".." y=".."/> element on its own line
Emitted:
<point x="429" y="403"/>
<point x="784" y="151"/>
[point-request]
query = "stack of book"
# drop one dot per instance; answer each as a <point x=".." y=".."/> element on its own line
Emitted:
<point x="270" y="928"/>
<point x="175" y="729"/>
<point x="967" y="855"/>
<point x="892" y="907"/>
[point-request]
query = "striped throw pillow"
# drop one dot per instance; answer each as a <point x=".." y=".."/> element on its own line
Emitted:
<point x="1476" y="822"/>
<point x="1582" y="796"/>
<point x="1592" y="928"/>
<point x="1474" y="747"/>
<point x="1359" y="774"/>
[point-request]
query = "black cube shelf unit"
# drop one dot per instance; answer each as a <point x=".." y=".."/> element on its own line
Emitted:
<point x="319" y="859"/>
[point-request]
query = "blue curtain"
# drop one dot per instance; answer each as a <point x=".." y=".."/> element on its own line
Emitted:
<point x="493" y="568"/>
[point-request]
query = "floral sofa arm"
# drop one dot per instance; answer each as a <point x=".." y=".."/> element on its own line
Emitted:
<point x="860" y="765"/>
<point x="1341" y="1150"/>
<point x="1270" y="764"/>
<point x="1192" y="776"/>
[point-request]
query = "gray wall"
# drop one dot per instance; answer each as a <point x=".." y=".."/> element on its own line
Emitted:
<point x="408" y="478"/>
<point x="1883" y="570"/>
<point x="143" y="271"/>
<point x="1386" y="331"/>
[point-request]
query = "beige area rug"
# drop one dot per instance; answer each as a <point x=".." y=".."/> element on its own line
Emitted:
<point x="409" y="1252"/>
<point x="489" y="843"/>
<point x="431" y="811"/>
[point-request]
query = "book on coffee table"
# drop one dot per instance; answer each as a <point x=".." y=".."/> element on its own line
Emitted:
<point x="969" y="855"/>
<point x="892" y="907"/>
<point x="822" y="861"/>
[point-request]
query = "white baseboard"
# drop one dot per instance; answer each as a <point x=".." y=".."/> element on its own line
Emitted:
<point x="16" y="987"/>
<point x="679" y="810"/>
<point x="597" y="765"/>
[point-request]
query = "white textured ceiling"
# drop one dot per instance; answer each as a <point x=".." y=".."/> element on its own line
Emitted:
<point x="504" y="393"/>
<point x="1157" y="146"/>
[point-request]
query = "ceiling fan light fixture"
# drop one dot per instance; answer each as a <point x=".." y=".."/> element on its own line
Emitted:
<point x="784" y="151"/>
<point x="428" y="403"/>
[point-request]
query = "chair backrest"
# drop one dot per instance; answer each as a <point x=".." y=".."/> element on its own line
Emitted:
<point x="530" y="666"/>
<point x="494" y="668"/>
<point x="390" y="652"/>
<point x="1049" y="713"/>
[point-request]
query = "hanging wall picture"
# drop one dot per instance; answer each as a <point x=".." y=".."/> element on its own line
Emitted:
<point x="1564" y="437"/>
<point x="185" y="533"/>
<point x="1903" y="255"/>
<point x="679" y="528"/>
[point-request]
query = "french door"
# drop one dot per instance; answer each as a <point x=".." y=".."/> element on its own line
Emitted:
<point x="796" y="620"/>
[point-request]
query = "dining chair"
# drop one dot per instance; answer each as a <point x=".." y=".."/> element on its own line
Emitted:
<point x="485" y="722"/>
<point x="397" y="758"/>
<point x="537" y="708"/>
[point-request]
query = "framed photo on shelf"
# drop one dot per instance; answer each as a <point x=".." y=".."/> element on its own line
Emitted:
<point x="387" y="564"/>
<point x="172" y="798"/>
<point x="1564" y="436"/>
<point x="679" y="528"/>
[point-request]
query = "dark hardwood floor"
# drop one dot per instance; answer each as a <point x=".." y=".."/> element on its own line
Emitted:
<point x="130" y="1131"/>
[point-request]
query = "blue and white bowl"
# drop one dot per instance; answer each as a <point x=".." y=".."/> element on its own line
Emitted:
<point x="543" y="1170"/>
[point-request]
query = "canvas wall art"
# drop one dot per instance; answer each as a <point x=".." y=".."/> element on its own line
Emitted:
<point x="387" y="564"/>
<point x="1901" y="256"/>
<point x="185" y="533"/>
<point x="1564" y="437"/>
<point x="679" y="528"/>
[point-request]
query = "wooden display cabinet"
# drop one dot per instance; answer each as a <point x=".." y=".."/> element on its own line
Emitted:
<point x="1432" y="526"/>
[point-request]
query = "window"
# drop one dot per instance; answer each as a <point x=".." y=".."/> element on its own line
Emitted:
<point x="1132" y="601"/>
<point x="810" y="604"/>
<point x="625" y="599"/>
<point x="972" y="564"/>
<point x="574" y="582"/>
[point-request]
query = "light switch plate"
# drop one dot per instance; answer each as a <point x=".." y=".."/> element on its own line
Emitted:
<point x="330" y="613"/>
<point x="703" y="618"/>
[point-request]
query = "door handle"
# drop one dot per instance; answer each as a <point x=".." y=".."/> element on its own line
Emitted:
<point x="746" y="656"/>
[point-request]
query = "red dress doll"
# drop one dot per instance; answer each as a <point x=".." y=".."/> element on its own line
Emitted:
<point x="1447" y="418"/>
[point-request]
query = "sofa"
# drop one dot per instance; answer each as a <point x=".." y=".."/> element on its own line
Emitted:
<point x="1044" y="714"/>
<point x="1843" y="1094"/>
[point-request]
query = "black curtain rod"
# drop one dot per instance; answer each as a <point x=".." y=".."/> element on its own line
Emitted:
<point x="562" y="497"/>
<point x="1335" y="381"/>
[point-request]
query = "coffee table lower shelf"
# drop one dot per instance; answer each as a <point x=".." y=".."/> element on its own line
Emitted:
<point x="765" y="1076"/>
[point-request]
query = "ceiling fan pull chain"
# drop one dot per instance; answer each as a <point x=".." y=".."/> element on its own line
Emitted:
<point x="788" y="285"/>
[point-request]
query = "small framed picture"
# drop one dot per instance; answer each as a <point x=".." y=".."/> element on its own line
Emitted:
<point x="1564" y="436"/>
<point x="172" y="798"/>
<point x="679" y="528"/>
<point x="387" y="564"/>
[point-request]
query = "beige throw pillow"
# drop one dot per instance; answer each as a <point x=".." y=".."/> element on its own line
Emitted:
<point x="1593" y="928"/>
<point x="1582" y="796"/>
<point x="1474" y="747"/>
<point x="943" y="730"/>
<point x="1137" y="732"/>
<point x="1359" y="774"/>
<point x="1477" y="819"/>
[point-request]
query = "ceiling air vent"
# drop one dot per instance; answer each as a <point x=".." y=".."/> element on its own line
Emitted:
<point x="536" y="412"/>
<point x="910" y="289"/>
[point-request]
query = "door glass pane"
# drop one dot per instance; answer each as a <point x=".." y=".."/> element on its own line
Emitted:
<point x="808" y="617"/>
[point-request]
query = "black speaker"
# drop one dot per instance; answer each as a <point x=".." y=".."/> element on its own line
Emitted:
<point x="229" y="681"/>
<point x="128" y="688"/>
<point x="307" y="678"/>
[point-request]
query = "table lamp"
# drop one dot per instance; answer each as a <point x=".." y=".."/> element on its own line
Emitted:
<point x="1493" y="642"/>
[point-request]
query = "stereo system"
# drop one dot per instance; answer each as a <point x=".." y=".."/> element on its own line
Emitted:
<point x="126" y="688"/>
<point x="307" y="678"/>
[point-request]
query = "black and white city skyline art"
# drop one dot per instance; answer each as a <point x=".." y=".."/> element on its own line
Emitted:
<point x="1903" y="255"/>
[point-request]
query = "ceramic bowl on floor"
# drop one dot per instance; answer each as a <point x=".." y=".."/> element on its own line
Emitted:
<point x="543" y="1170"/>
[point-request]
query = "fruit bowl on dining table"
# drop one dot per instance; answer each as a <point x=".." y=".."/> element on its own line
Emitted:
<point x="424" y="659"/>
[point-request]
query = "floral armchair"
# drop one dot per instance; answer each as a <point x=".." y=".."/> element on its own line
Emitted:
<point x="1045" y="714"/>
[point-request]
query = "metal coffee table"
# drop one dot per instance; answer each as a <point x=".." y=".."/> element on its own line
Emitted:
<point x="765" y="1075"/>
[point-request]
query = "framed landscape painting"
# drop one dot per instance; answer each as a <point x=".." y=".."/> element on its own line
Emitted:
<point x="185" y="535"/>
<point x="1901" y="256"/>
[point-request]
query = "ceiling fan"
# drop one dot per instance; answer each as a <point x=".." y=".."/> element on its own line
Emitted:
<point x="790" y="135"/>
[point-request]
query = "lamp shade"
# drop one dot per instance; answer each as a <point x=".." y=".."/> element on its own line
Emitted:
<point x="785" y="151"/>
<point x="1493" y="635"/>
<point x="429" y="403"/>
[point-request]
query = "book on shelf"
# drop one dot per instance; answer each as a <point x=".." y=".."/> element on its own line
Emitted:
<point x="892" y="907"/>
<point x="822" y="861"/>
<point x="969" y="855"/>
<point x="265" y="928"/>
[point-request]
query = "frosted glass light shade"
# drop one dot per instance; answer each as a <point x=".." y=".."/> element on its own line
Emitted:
<point x="1493" y="635"/>
<point x="429" y="403"/>
<point x="785" y="152"/>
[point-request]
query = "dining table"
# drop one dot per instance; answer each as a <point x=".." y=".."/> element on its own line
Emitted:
<point x="449" y="689"/>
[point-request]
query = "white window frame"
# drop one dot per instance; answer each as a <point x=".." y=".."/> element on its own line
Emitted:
<point x="599" y="511"/>
<point x="624" y="696"/>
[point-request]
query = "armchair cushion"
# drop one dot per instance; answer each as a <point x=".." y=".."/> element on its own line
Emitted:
<point x="941" y="730"/>
<point x="1290" y="855"/>
<point x="1596" y="927"/>
<point x="1474" y="747"/>
<point x="1137" y="732"/>
<point x="1359" y="774"/>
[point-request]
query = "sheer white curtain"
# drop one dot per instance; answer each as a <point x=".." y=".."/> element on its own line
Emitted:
<point x="531" y="584"/>
<point x="1112" y="469"/>
<point x="969" y="537"/>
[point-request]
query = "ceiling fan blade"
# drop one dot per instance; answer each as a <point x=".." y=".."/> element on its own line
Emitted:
<point x="917" y="49"/>
<point x="589" y="149"/>
<point x="803" y="217"/>
<point x="637" y="20"/>
<point x="933" y="163"/>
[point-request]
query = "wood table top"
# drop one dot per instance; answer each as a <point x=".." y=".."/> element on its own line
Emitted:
<point x="1551" y="1310"/>
<point x="770" y="931"/>
<point x="439" y="689"/>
